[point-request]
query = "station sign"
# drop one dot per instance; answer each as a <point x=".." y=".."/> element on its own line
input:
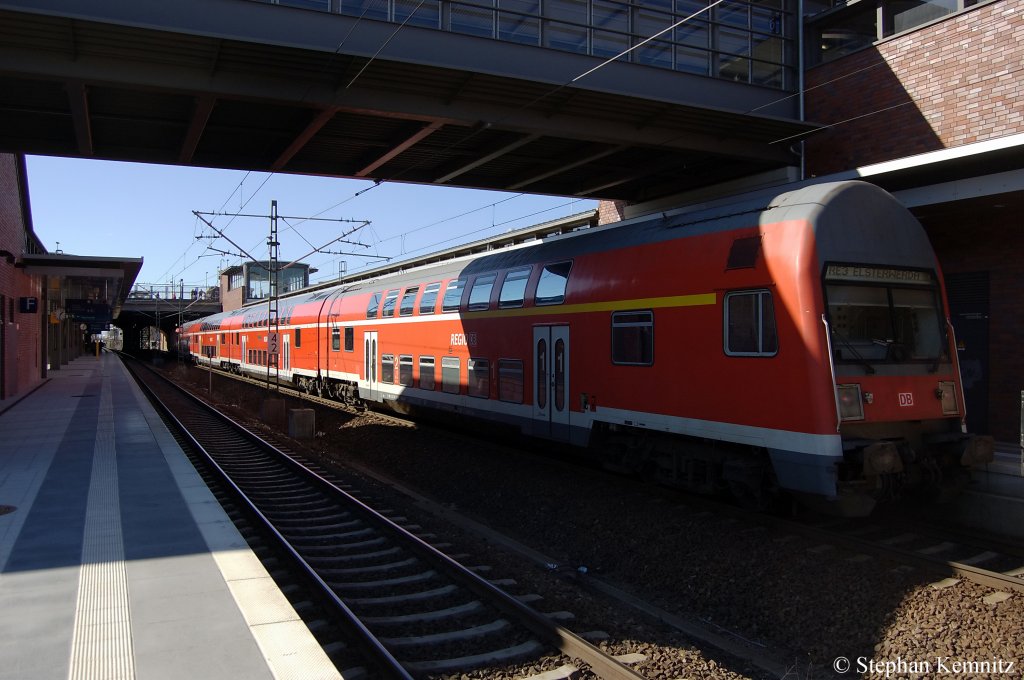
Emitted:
<point x="28" y="305"/>
<point x="88" y="310"/>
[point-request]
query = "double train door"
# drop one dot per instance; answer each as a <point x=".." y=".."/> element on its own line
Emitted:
<point x="369" y="388"/>
<point x="551" y="382"/>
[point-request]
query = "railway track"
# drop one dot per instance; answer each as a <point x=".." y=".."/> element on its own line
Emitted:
<point x="415" y="611"/>
<point x="942" y="550"/>
<point x="946" y="551"/>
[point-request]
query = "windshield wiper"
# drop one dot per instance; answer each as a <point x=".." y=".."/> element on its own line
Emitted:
<point x="853" y="350"/>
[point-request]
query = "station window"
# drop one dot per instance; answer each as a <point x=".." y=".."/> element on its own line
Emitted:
<point x="480" y="295"/>
<point x="350" y="338"/>
<point x="388" y="308"/>
<point x="450" y="374"/>
<point x="387" y="368"/>
<point x="750" y="324"/>
<point x="479" y="378"/>
<point x="552" y="283"/>
<point x="405" y="370"/>
<point x="427" y="373"/>
<point x="408" y="301"/>
<point x="510" y="380"/>
<point x="453" y="295"/>
<point x="373" y="306"/>
<point x="335" y="339"/>
<point x="513" y="288"/>
<point x="633" y="338"/>
<point x="429" y="300"/>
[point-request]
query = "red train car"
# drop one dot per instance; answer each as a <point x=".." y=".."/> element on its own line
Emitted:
<point x="795" y="341"/>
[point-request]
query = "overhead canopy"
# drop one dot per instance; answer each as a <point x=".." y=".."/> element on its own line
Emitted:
<point x="104" y="280"/>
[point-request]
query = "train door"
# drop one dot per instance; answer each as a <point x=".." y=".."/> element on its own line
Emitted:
<point x="244" y="358"/>
<point x="551" y="382"/>
<point x="286" y="352"/>
<point x="368" y="385"/>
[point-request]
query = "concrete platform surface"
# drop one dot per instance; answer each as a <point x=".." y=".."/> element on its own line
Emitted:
<point x="116" y="561"/>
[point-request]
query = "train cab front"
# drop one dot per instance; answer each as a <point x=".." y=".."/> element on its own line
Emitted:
<point x="899" y="402"/>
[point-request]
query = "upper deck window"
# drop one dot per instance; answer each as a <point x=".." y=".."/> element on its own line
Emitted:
<point x="552" y="283"/>
<point x="480" y="295"/>
<point x="388" y="308"/>
<point x="373" y="306"/>
<point x="408" y="301"/>
<point x="513" y="288"/>
<point x="428" y="302"/>
<point x="453" y="295"/>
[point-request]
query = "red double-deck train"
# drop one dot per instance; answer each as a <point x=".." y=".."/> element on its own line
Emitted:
<point x="795" y="341"/>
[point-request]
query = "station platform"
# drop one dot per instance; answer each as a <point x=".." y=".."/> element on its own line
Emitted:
<point x="116" y="561"/>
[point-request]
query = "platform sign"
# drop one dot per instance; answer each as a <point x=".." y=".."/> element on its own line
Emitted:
<point x="273" y="343"/>
<point x="88" y="310"/>
<point x="28" y="305"/>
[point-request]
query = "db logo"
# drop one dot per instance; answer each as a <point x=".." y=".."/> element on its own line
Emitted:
<point x="906" y="399"/>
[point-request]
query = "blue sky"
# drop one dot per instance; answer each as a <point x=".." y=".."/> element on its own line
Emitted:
<point x="103" y="208"/>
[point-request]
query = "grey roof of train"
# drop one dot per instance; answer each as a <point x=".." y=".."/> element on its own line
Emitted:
<point x="800" y="201"/>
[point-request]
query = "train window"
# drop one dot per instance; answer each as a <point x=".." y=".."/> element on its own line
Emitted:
<point x="408" y="301"/>
<point x="335" y="339"/>
<point x="633" y="338"/>
<point x="884" y="315"/>
<point x="450" y="374"/>
<point x="350" y="338"/>
<point x="405" y="370"/>
<point x="223" y="338"/>
<point x="510" y="380"/>
<point x="236" y="338"/>
<point x="298" y="338"/>
<point x="551" y="286"/>
<point x="513" y="288"/>
<point x="387" y="368"/>
<point x="429" y="300"/>
<point x="480" y="295"/>
<point x="426" y="373"/>
<point x="388" y="308"/>
<point x="479" y="378"/>
<point x="750" y="324"/>
<point x="453" y="295"/>
<point x="373" y="306"/>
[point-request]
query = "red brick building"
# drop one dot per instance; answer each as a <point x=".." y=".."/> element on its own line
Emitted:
<point x="22" y="348"/>
<point x="46" y="298"/>
<point x="935" y="113"/>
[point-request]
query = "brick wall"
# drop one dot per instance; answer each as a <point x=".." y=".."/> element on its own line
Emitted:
<point x="22" y="333"/>
<point x="955" y="82"/>
<point x="610" y="211"/>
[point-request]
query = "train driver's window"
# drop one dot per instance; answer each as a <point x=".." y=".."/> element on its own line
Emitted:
<point x="513" y="288"/>
<point x="750" y="324"/>
<point x="552" y="283"/>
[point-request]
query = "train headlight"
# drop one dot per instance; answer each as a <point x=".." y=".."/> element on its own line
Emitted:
<point x="946" y="393"/>
<point x="851" y="405"/>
